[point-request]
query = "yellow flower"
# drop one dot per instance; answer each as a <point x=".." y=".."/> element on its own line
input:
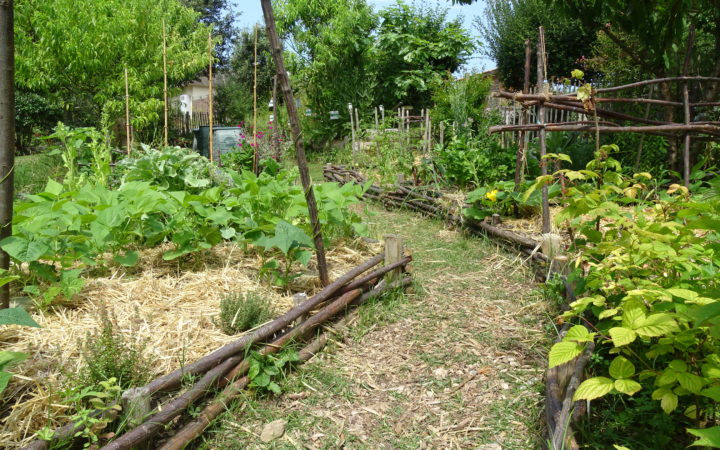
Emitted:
<point x="492" y="195"/>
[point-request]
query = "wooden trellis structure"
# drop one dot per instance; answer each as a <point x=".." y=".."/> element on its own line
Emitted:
<point x="597" y="116"/>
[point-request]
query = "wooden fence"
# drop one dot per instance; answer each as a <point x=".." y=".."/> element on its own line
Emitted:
<point x="511" y="112"/>
<point x="183" y="124"/>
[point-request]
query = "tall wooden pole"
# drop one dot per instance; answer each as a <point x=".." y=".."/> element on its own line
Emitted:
<point x="7" y="133"/>
<point x="686" y="107"/>
<point x="541" y="132"/>
<point x="297" y="137"/>
<point x="210" y="98"/>
<point x="127" y="113"/>
<point x="165" y="96"/>
<point x="520" y="156"/>
<point x="255" y="146"/>
<point x="276" y="120"/>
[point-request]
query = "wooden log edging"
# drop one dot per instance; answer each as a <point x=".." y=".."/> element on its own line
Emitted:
<point x="427" y="203"/>
<point x="221" y="365"/>
<point x="193" y="429"/>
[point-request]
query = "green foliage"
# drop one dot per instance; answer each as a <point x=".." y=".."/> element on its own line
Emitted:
<point x="475" y="160"/>
<point x="88" y="401"/>
<point x="650" y="285"/>
<point x="331" y="43"/>
<point x="32" y="172"/>
<point x="234" y="97"/>
<point x="172" y="169"/>
<point x="416" y="48"/>
<point x="265" y="369"/>
<point x="502" y="198"/>
<point x="61" y="232"/>
<point x="33" y="113"/>
<point x="76" y="56"/>
<point x="506" y="25"/>
<point x="241" y="312"/>
<point x="109" y="353"/>
<point x="461" y="102"/>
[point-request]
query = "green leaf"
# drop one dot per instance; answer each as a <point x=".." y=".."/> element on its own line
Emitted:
<point x="712" y="392"/>
<point x="577" y="73"/>
<point x="4" y="380"/>
<point x="53" y="187"/>
<point x="578" y="333"/>
<point x="593" y="388"/>
<point x="669" y="402"/>
<point x="9" y="358"/>
<point x="678" y="365"/>
<point x="129" y="259"/>
<point x="563" y="352"/>
<point x="228" y="233"/>
<point x="709" y="437"/>
<point x="620" y="368"/>
<point x="261" y="380"/>
<point x="622" y="336"/>
<point x="23" y="249"/>
<point x="628" y="387"/>
<point x="16" y="316"/>
<point x="273" y="387"/>
<point x="690" y="381"/>
<point x="656" y="325"/>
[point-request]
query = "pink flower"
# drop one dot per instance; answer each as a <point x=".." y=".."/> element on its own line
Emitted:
<point x="270" y="127"/>
<point x="242" y="136"/>
<point x="260" y="135"/>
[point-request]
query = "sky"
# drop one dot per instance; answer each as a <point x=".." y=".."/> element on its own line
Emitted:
<point x="251" y="13"/>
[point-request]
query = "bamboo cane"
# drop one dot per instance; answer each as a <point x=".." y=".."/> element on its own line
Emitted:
<point x="127" y="113"/>
<point x="165" y="85"/>
<point x="210" y="98"/>
<point x="255" y="147"/>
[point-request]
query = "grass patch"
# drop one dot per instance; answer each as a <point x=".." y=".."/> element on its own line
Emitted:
<point x="32" y="172"/>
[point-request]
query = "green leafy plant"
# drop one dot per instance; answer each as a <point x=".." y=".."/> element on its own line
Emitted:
<point x="650" y="293"/>
<point x="241" y="312"/>
<point x="293" y="243"/>
<point x="12" y="316"/>
<point x="266" y="369"/>
<point x="95" y="408"/>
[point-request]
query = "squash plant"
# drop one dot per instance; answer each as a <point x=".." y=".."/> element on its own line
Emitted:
<point x="649" y="261"/>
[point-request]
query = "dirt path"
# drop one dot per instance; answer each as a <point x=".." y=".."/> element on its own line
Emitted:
<point x="457" y="363"/>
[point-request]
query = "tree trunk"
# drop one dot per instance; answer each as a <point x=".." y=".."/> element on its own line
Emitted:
<point x="7" y="133"/>
<point x="299" y="145"/>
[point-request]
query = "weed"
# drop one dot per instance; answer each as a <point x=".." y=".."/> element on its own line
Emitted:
<point x="241" y="312"/>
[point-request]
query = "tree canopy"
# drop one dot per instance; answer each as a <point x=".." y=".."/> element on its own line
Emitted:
<point x="78" y="55"/>
<point x="416" y="47"/>
<point x="508" y="23"/>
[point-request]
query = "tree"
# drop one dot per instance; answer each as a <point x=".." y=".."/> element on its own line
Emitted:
<point x="220" y="16"/>
<point x="234" y="97"/>
<point x="7" y="135"/>
<point x="508" y="23"/>
<point x="416" y="47"/>
<point x="330" y="42"/>
<point x="78" y="55"/>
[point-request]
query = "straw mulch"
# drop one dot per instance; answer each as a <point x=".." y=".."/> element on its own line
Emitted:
<point x="170" y="306"/>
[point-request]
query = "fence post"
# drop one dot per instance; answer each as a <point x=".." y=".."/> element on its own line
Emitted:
<point x="393" y="253"/>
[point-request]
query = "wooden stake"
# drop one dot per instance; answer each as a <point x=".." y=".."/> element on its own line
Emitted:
<point x="541" y="135"/>
<point x="686" y="107"/>
<point x="393" y="254"/>
<point x="165" y="96"/>
<point x="276" y="120"/>
<point x="377" y="126"/>
<point x="352" y="128"/>
<point x="127" y="113"/>
<point x="210" y="99"/>
<point x="520" y="156"/>
<point x="255" y="146"/>
<point x="357" y="125"/>
<point x="297" y="137"/>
